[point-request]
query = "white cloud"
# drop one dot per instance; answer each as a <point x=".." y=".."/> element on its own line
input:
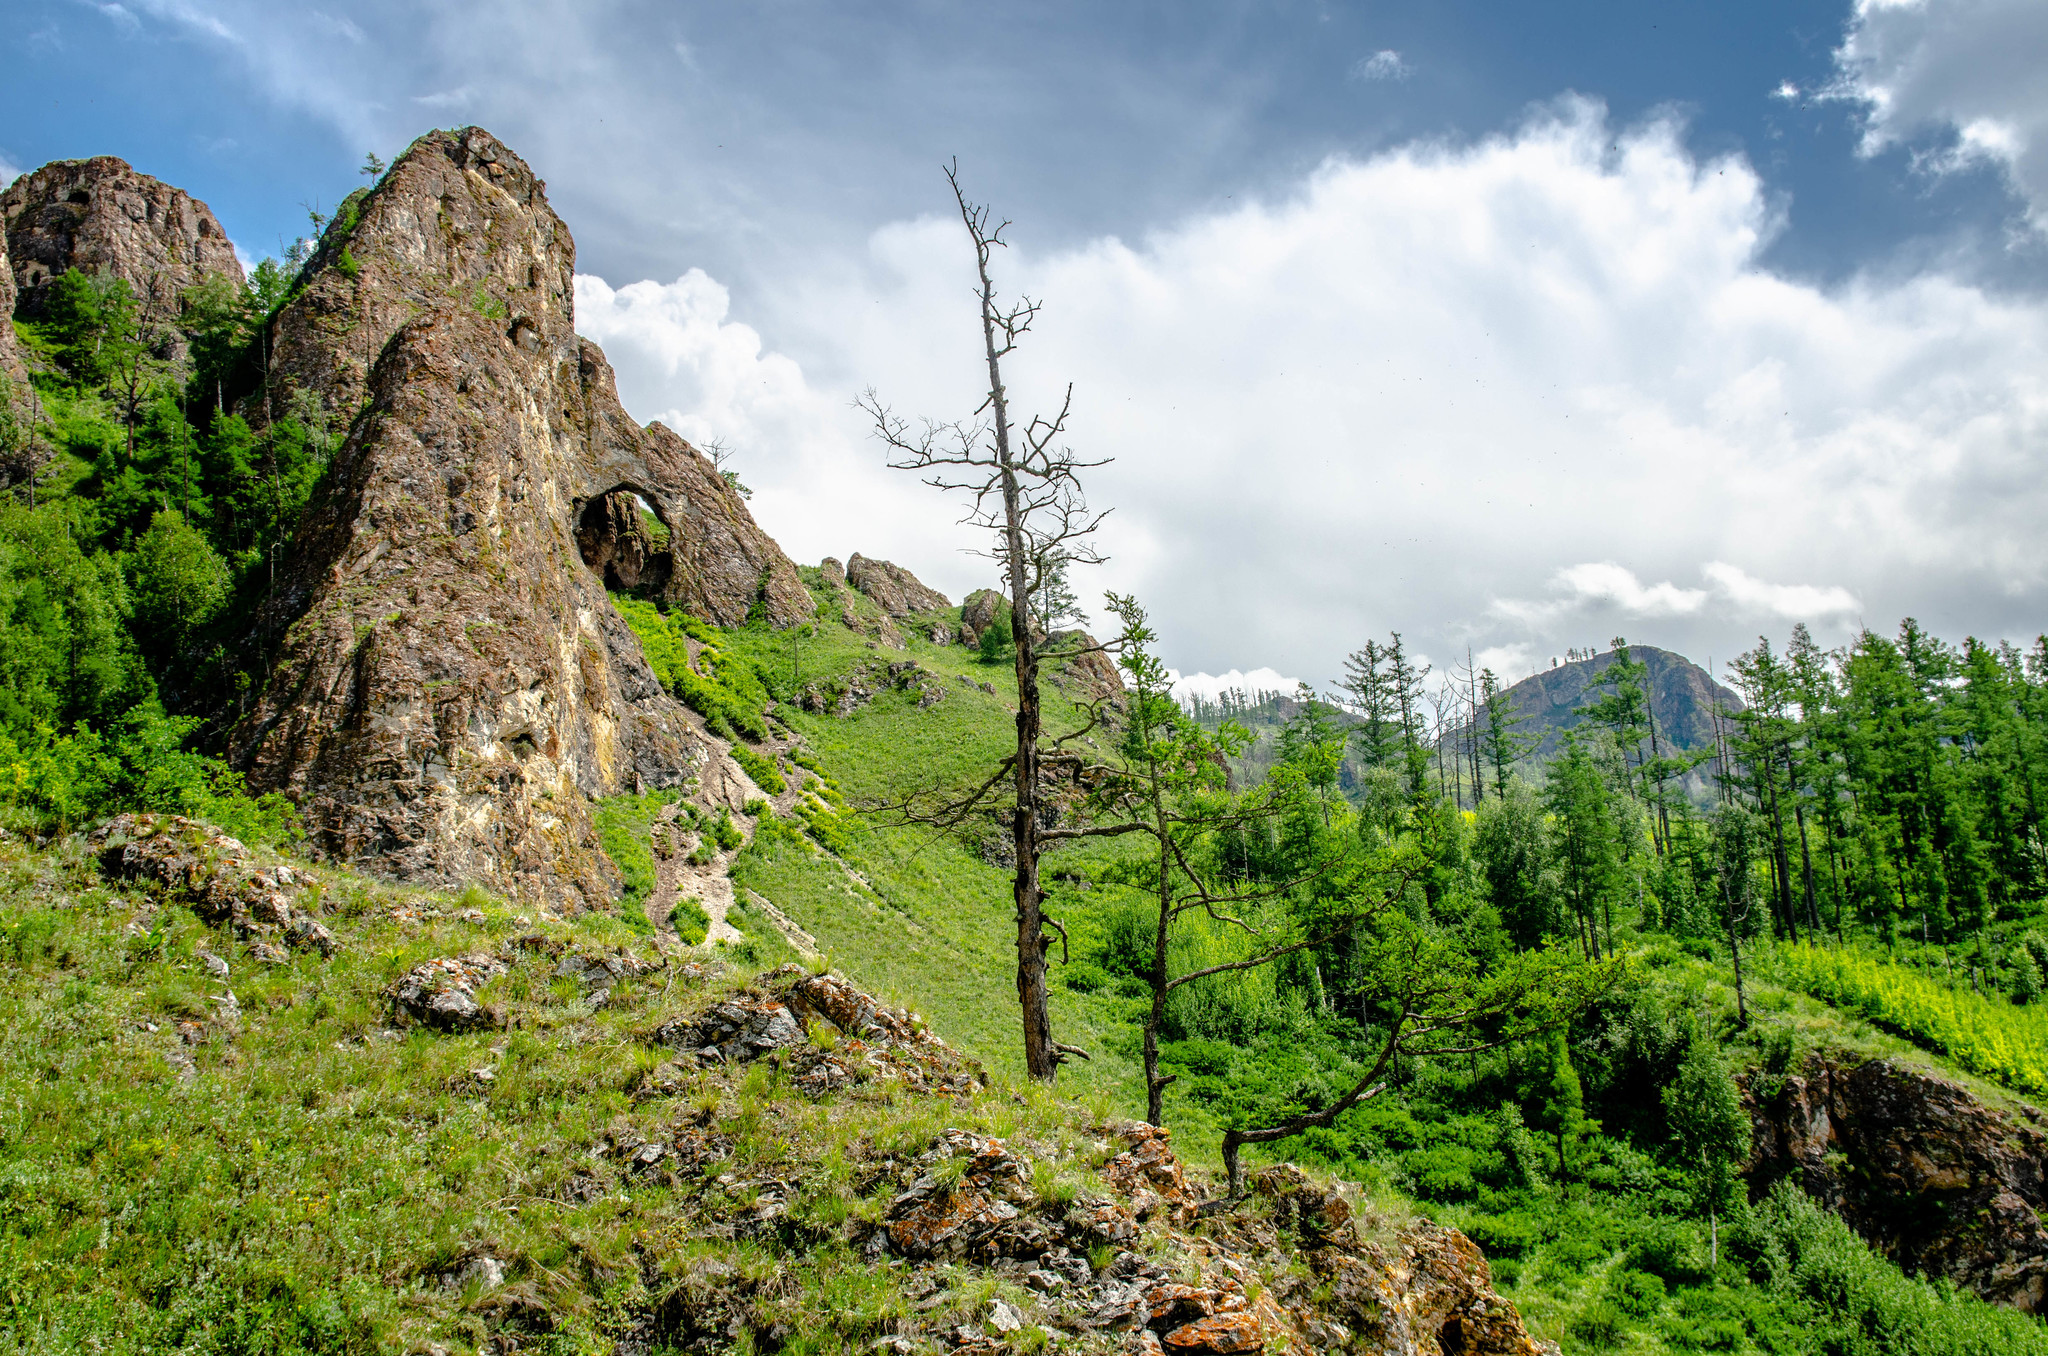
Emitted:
<point x="9" y="171"/>
<point x="1385" y="64"/>
<point x="1750" y="596"/>
<point x="1597" y="589"/>
<point x="1209" y="686"/>
<point x="1972" y="69"/>
<point x="1396" y="396"/>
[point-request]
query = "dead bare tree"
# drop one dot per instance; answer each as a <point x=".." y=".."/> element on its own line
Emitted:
<point x="1024" y="486"/>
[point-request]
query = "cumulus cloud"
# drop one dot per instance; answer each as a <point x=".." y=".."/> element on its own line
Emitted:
<point x="1969" y="71"/>
<point x="1597" y="589"/>
<point x="1395" y="396"/>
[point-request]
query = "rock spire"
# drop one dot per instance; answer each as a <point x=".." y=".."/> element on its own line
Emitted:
<point x="450" y="682"/>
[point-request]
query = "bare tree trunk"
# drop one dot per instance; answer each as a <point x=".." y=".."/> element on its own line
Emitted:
<point x="1041" y="1055"/>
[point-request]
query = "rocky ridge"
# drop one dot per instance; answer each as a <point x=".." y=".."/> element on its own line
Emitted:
<point x="1925" y="1171"/>
<point x="1145" y="1263"/>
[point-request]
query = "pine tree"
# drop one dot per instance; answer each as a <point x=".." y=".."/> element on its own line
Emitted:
<point x="1564" y="1104"/>
<point x="1503" y="748"/>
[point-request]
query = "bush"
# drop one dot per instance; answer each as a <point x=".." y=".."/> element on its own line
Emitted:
<point x="1636" y="1293"/>
<point x="724" y="709"/>
<point x="726" y="833"/>
<point x="1599" y="1324"/>
<point x="622" y="826"/>
<point x="762" y="770"/>
<point x="690" y="921"/>
<point x="1855" y="1301"/>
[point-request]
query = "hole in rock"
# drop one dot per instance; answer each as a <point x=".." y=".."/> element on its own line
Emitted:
<point x="625" y="537"/>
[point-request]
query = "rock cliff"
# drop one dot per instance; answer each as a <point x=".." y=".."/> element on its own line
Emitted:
<point x="100" y="213"/>
<point x="1927" y="1173"/>
<point x="450" y="680"/>
<point x="1682" y="698"/>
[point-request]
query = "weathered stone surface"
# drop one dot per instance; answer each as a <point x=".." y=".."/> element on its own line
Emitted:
<point x="212" y="873"/>
<point x="735" y="1031"/>
<point x="15" y="404"/>
<point x="451" y="683"/>
<point x="977" y="612"/>
<point x="1921" y="1168"/>
<point x="441" y="993"/>
<point x="1149" y="1165"/>
<point x="100" y="213"/>
<point x="947" y="1215"/>
<point x="894" y="589"/>
<point x="1089" y="676"/>
<point x="1233" y="1332"/>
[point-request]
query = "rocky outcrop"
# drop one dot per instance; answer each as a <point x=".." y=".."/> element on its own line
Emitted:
<point x="978" y="612"/>
<point x="101" y="214"/>
<point x="212" y="874"/>
<point x="461" y="226"/>
<point x="894" y="589"/>
<point x="1923" y="1170"/>
<point x="451" y="683"/>
<point x="1089" y="676"/>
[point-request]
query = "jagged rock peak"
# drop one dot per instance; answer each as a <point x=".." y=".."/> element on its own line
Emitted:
<point x="451" y="681"/>
<point x="100" y="213"/>
<point x="457" y="220"/>
<point x="894" y="589"/>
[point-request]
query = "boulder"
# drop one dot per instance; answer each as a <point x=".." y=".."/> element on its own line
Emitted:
<point x="101" y="214"/>
<point x="977" y="612"/>
<point x="894" y="589"/>
<point x="441" y="993"/>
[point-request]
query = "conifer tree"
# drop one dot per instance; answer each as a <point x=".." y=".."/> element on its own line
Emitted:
<point x="1710" y="1130"/>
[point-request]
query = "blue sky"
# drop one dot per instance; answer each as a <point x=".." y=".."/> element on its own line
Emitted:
<point x="1278" y="243"/>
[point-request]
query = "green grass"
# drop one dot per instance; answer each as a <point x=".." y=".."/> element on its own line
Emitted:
<point x="623" y="823"/>
<point x="927" y="923"/>
<point x="304" y="1189"/>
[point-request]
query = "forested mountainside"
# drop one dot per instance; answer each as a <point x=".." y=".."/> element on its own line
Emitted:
<point x="464" y="887"/>
<point x="1455" y="709"/>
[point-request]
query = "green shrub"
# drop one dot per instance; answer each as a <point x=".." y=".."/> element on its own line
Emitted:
<point x="690" y="921"/>
<point x="725" y="710"/>
<point x="761" y="770"/>
<point x="997" y="638"/>
<point x="1598" y="1324"/>
<point x="622" y="827"/>
<point x="726" y="833"/>
<point x="1636" y="1293"/>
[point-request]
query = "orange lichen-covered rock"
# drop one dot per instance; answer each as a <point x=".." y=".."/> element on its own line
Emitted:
<point x="1221" y="1333"/>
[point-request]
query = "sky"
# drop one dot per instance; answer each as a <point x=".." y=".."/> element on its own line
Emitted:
<point x="1511" y="328"/>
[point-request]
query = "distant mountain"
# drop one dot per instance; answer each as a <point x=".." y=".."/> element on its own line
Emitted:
<point x="1682" y="699"/>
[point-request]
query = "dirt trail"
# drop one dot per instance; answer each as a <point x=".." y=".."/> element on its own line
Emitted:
<point x="722" y="785"/>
